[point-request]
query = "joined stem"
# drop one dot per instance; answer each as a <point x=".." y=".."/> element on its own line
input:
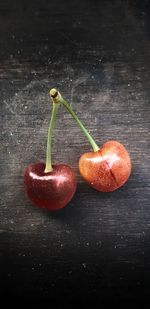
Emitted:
<point x="57" y="98"/>
<point x="48" y="167"/>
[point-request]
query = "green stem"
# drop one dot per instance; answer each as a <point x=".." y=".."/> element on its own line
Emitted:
<point x="48" y="167"/>
<point x="59" y="99"/>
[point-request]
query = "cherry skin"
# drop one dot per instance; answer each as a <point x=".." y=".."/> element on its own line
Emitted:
<point x="52" y="190"/>
<point x="106" y="169"/>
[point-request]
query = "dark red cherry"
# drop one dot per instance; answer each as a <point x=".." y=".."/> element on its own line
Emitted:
<point x="53" y="190"/>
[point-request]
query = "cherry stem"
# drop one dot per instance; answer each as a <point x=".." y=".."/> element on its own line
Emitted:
<point x="57" y="98"/>
<point x="48" y="167"/>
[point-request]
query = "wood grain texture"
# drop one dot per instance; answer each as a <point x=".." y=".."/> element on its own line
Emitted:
<point x="98" y="55"/>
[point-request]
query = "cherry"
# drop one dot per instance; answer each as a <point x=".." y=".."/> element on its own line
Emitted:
<point x="106" y="168"/>
<point x="51" y="190"/>
<point x="50" y="186"/>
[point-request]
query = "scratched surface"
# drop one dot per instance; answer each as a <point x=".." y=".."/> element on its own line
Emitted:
<point x="98" y="55"/>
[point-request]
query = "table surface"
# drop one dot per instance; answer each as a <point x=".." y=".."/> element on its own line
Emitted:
<point x="97" y="53"/>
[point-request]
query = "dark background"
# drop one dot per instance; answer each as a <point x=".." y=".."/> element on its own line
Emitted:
<point x="98" y="55"/>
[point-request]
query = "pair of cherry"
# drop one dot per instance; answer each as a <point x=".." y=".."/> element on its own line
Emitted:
<point x="53" y="186"/>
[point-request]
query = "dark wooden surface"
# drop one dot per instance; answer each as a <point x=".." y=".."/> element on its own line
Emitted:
<point x="98" y="54"/>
